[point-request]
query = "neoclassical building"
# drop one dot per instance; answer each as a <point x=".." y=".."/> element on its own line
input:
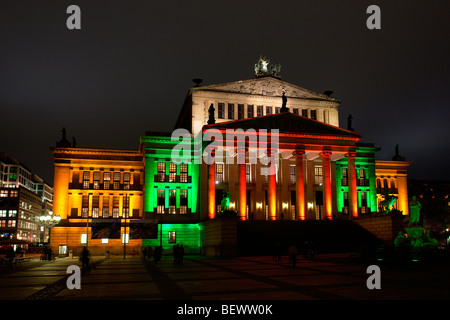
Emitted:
<point x="275" y="148"/>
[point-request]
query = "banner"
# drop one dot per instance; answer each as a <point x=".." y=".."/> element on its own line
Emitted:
<point x="143" y="229"/>
<point x="105" y="228"/>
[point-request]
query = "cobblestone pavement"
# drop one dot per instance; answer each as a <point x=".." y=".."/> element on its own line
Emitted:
<point x="327" y="277"/>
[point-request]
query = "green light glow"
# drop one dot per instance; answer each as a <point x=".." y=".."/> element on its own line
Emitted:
<point x="189" y="235"/>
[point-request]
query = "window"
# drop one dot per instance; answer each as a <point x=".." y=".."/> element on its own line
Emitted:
<point x="314" y="114"/>
<point x="95" y="212"/>
<point x="172" y="200"/>
<point x="362" y="177"/>
<point x="345" y="208"/>
<point x="305" y="113"/>
<point x="83" y="239"/>
<point x="240" y="111"/>
<point x="295" y="111"/>
<point x="292" y="174"/>
<point x="115" y="212"/>
<point x="96" y="180"/>
<point x="106" y="180"/>
<point x="250" y="111"/>
<point x="259" y="111"/>
<point x="345" y="177"/>
<point x="248" y="172"/>
<point x="277" y="109"/>
<point x="95" y="206"/>
<point x="318" y="175"/>
<point x="105" y="210"/>
<point x="183" y="201"/>
<point x="172" y="209"/>
<point x="2" y="213"/>
<point x="116" y="180"/>
<point x="183" y="172"/>
<point x="86" y="176"/>
<point x="172" y="172"/>
<point x="230" y="111"/>
<point x="3" y="193"/>
<point x="268" y="110"/>
<point x="85" y="206"/>
<point x="363" y="202"/>
<point x="161" y="171"/>
<point x="221" y="111"/>
<point x="11" y="223"/>
<point x="172" y="237"/>
<point x="13" y="193"/>
<point x="126" y="207"/>
<point x="160" y="201"/>
<point x="126" y="180"/>
<point x="219" y="172"/>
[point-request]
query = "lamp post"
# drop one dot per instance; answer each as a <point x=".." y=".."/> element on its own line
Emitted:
<point x="49" y="221"/>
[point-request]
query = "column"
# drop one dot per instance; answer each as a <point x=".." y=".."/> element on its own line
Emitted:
<point x="352" y="190"/>
<point x="300" y="184"/>
<point x="211" y="186"/>
<point x="326" y="173"/>
<point x="272" y="188"/>
<point x="242" y="183"/>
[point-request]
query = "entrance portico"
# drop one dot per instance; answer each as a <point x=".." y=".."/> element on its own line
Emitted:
<point x="285" y="170"/>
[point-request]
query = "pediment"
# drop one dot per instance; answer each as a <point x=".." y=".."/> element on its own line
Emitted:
<point x="267" y="86"/>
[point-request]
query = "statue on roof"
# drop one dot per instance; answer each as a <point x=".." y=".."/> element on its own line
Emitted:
<point x="264" y="68"/>
<point x="283" y="107"/>
<point x="211" y="119"/>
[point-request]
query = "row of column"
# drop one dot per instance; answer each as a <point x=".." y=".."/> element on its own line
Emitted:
<point x="300" y="186"/>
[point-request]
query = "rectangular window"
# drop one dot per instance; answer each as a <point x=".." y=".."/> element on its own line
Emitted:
<point x="314" y="114"/>
<point x="240" y="111"/>
<point x="268" y="110"/>
<point x="183" y="209"/>
<point x="295" y="111"/>
<point x="172" y="237"/>
<point x="83" y="239"/>
<point x="105" y="210"/>
<point x="292" y="174"/>
<point x="106" y="180"/>
<point x="172" y="209"/>
<point x="221" y="111"/>
<point x="116" y="178"/>
<point x="115" y="212"/>
<point x="11" y="223"/>
<point x="172" y="172"/>
<point x="95" y="212"/>
<point x="318" y="175"/>
<point x="126" y="207"/>
<point x="305" y="113"/>
<point x="160" y="201"/>
<point x="12" y="213"/>
<point x="86" y="175"/>
<point x="259" y="111"/>
<point x="172" y="201"/>
<point x="219" y="172"/>
<point x="96" y="180"/>
<point x="85" y="206"/>
<point x="250" y="111"/>
<point x="248" y="172"/>
<point x="277" y="109"/>
<point x="230" y="111"/>
<point x="344" y="177"/>
<point x="126" y="180"/>
<point x="183" y="172"/>
<point x="161" y="171"/>
<point x="2" y="213"/>
<point x="183" y="201"/>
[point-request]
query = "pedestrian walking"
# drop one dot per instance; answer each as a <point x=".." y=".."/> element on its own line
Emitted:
<point x="85" y="258"/>
<point x="292" y="252"/>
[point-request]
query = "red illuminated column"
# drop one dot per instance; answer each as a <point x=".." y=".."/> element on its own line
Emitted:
<point x="300" y="184"/>
<point x="326" y="172"/>
<point x="242" y="184"/>
<point x="212" y="187"/>
<point x="272" y="188"/>
<point x="352" y="191"/>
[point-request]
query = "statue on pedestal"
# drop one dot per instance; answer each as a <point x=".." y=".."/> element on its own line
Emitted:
<point x="414" y="211"/>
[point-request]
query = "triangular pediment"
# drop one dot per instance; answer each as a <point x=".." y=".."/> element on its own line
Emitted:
<point x="266" y="86"/>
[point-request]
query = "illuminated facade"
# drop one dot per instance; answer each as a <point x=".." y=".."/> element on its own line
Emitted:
<point x="320" y="171"/>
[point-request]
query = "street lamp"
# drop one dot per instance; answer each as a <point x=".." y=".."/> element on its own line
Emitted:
<point x="50" y="221"/>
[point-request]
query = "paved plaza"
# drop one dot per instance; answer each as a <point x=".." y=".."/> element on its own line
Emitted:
<point x="327" y="277"/>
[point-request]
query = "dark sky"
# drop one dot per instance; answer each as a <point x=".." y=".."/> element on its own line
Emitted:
<point x="129" y="68"/>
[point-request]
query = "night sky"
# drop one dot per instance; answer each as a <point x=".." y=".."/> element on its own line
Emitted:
<point x="130" y="66"/>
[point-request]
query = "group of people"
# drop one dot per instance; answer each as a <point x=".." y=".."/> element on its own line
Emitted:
<point x="47" y="254"/>
<point x="148" y="252"/>
<point x="178" y="254"/>
<point x="308" y="250"/>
